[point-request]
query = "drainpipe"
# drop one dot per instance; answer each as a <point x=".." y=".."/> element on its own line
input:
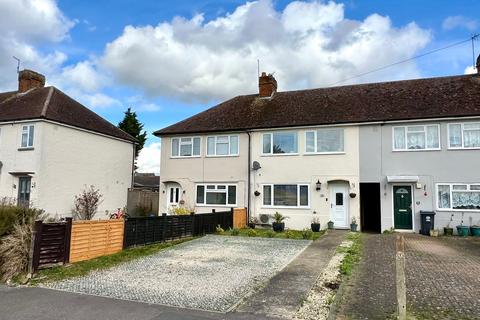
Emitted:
<point x="249" y="174"/>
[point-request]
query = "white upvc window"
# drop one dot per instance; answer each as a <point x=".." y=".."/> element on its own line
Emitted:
<point x="280" y="142"/>
<point x="222" y="146"/>
<point x="27" y="136"/>
<point x="286" y="195"/>
<point x="328" y="140"/>
<point x="209" y="194"/>
<point x="464" y="135"/>
<point x="185" y="147"/>
<point x="416" y="137"/>
<point x="458" y="196"/>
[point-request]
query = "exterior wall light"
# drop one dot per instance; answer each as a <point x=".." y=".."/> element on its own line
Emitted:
<point x="318" y="185"/>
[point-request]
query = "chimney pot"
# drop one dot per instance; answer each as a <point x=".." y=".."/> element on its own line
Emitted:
<point x="28" y="79"/>
<point x="267" y="85"/>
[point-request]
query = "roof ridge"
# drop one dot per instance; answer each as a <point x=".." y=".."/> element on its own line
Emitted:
<point x="46" y="104"/>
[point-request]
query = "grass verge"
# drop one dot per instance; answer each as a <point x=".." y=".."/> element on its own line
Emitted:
<point x="84" y="267"/>
<point x="269" y="233"/>
<point x="353" y="254"/>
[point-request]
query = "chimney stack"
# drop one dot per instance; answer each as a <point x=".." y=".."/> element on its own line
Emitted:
<point x="267" y="85"/>
<point x="28" y="79"/>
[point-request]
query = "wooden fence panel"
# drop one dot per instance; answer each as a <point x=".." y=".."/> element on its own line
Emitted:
<point x="50" y="245"/>
<point x="240" y="218"/>
<point x="92" y="239"/>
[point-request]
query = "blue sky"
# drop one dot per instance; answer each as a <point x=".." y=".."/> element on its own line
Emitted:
<point x="170" y="60"/>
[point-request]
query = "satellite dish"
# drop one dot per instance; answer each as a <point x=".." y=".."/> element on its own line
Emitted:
<point x="256" y="165"/>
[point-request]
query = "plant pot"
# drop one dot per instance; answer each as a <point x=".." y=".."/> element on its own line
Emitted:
<point x="463" y="231"/>
<point x="433" y="233"/>
<point x="353" y="227"/>
<point x="448" y="231"/>
<point x="278" y="226"/>
<point x="251" y="225"/>
<point x="330" y="224"/>
<point x="315" y="227"/>
<point x="475" y="231"/>
<point x="353" y="195"/>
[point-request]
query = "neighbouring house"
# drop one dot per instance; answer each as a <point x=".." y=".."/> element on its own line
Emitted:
<point x="379" y="153"/>
<point x="146" y="181"/>
<point x="52" y="147"/>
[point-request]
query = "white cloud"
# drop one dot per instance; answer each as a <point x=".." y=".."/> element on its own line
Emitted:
<point x="23" y="26"/>
<point x="140" y="103"/>
<point x="308" y="44"/>
<point x="470" y="70"/>
<point x="453" y="22"/>
<point x="149" y="158"/>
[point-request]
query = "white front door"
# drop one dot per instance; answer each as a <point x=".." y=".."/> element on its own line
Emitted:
<point x="173" y="195"/>
<point x="339" y="205"/>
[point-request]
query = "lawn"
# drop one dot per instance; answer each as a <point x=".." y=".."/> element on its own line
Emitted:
<point x="269" y="233"/>
<point x="84" y="267"/>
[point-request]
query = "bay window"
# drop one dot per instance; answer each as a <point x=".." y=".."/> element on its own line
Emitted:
<point x="222" y="146"/>
<point x="282" y="142"/>
<point x="459" y="197"/>
<point x="330" y="140"/>
<point x="286" y="195"/>
<point x="186" y="147"/>
<point x="418" y="137"/>
<point x="464" y="135"/>
<point x="216" y="194"/>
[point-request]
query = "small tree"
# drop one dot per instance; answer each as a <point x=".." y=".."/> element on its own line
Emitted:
<point x="86" y="203"/>
<point x="133" y="127"/>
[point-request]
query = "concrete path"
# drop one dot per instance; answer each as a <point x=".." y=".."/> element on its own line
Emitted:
<point x="282" y="296"/>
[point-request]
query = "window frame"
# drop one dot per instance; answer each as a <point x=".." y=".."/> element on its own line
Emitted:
<point x="184" y="143"/>
<point x="450" y="185"/>
<point x="272" y="196"/>
<point x="271" y="153"/>
<point x="216" y="190"/>
<point x="462" y="128"/>
<point x="315" y="140"/>
<point x="229" y="146"/>
<point x="30" y="136"/>
<point x="405" y="127"/>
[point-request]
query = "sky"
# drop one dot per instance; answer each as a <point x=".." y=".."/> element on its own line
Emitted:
<point x="169" y="60"/>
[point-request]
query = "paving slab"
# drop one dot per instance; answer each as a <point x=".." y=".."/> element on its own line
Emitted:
<point x="285" y="292"/>
<point x="211" y="273"/>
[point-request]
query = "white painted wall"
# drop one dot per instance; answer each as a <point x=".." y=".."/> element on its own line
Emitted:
<point x="64" y="161"/>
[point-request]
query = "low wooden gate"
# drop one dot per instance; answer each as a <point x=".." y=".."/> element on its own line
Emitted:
<point x="91" y="239"/>
<point x="51" y="243"/>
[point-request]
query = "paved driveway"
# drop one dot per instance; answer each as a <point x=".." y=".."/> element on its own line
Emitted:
<point x="210" y="273"/>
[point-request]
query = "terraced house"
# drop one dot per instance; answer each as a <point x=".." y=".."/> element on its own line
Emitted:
<point x="379" y="153"/>
<point x="52" y="148"/>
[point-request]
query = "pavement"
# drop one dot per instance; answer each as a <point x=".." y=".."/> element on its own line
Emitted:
<point x="285" y="292"/>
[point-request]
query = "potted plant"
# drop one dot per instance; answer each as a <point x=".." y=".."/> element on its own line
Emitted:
<point x="434" y="233"/>
<point x="330" y="224"/>
<point x="353" y="225"/>
<point x="278" y="225"/>
<point x="448" y="231"/>
<point x="463" y="230"/>
<point x="315" y="224"/>
<point x="253" y="222"/>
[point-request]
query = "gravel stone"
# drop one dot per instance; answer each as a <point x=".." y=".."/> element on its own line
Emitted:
<point x="210" y="273"/>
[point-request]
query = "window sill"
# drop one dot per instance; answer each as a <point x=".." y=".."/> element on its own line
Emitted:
<point x="417" y="150"/>
<point x="278" y="154"/>
<point x="186" y="157"/>
<point x="323" y="153"/>
<point x="456" y="149"/>
<point x="458" y="210"/>
<point x="216" y="205"/>
<point x="26" y="149"/>
<point x="223" y="156"/>
<point x="285" y="207"/>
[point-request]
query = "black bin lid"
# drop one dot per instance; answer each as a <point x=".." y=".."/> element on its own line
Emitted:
<point x="427" y="212"/>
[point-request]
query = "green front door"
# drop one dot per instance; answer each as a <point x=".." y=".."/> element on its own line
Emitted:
<point x="402" y="207"/>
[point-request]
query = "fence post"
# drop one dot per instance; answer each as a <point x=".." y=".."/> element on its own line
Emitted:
<point x="68" y="239"/>
<point x="230" y="220"/>
<point x="36" y="238"/>
<point x="125" y="233"/>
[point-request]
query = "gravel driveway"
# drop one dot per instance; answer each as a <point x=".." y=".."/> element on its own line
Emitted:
<point x="210" y="273"/>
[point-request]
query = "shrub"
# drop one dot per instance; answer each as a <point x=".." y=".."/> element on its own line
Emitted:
<point x="181" y="211"/>
<point x="11" y="214"/>
<point x="14" y="251"/>
<point x="219" y="229"/>
<point x="252" y="233"/>
<point x="86" y="204"/>
<point x="278" y="217"/>
<point x="235" y="232"/>
<point x="307" y="234"/>
<point x="289" y="234"/>
<point x="270" y="234"/>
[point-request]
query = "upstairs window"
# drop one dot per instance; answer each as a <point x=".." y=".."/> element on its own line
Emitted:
<point x="464" y="135"/>
<point x="329" y="140"/>
<point x="27" y="136"/>
<point x="458" y="197"/>
<point x="216" y="194"/>
<point x="186" y="147"/>
<point x="282" y="142"/>
<point x="222" y="146"/>
<point x="411" y="138"/>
